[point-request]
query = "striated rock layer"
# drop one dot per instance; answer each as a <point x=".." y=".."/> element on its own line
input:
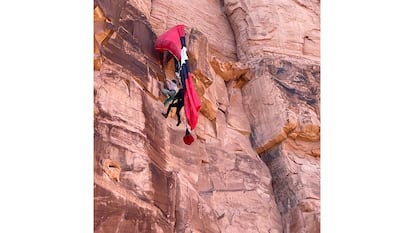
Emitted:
<point x="255" y="163"/>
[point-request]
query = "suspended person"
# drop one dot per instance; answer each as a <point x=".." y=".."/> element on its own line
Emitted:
<point x="178" y="103"/>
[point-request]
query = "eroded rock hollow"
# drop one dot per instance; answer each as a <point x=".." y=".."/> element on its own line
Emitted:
<point x="255" y="163"/>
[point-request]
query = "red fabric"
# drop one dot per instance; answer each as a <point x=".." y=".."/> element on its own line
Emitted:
<point x="170" y="41"/>
<point x="188" y="138"/>
<point x="180" y="30"/>
<point x="191" y="102"/>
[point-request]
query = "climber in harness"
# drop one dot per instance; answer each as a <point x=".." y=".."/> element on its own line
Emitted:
<point x="173" y="41"/>
<point x="177" y="102"/>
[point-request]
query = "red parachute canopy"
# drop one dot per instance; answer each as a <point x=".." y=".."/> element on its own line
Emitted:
<point x="170" y="41"/>
<point x="191" y="102"/>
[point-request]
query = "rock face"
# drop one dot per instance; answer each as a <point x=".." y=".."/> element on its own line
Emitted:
<point x="255" y="163"/>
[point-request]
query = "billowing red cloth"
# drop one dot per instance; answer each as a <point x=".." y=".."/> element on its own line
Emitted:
<point x="191" y="102"/>
<point x="170" y="41"/>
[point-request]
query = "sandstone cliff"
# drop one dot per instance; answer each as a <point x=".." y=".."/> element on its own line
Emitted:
<point x="255" y="163"/>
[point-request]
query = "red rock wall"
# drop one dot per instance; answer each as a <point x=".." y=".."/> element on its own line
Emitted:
<point x="254" y="166"/>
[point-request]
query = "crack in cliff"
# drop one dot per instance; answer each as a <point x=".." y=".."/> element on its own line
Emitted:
<point x="121" y="219"/>
<point x="224" y="8"/>
<point x="227" y="190"/>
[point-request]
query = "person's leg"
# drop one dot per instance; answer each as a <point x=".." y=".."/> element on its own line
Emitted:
<point x="166" y="101"/>
<point x="173" y="104"/>
<point x="170" y="94"/>
<point x="168" y="111"/>
<point x="178" y="114"/>
<point x="169" y="99"/>
<point x="165" y="92"/>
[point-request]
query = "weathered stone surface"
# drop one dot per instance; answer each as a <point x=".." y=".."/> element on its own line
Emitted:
<point x="115" y="210"/>
<point x="254" y="166"/>
<point x="263" y="28"/>
<point x="282" y="105"/>
<point x="236" y="183"/>
<point x="282" y="100"/>
<point x="111" y="168"/>
<point x="235" y="114"/>
<point x="228" y="70"/>
<point x="280" y="44"/>
<point x="296" y="182"/>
